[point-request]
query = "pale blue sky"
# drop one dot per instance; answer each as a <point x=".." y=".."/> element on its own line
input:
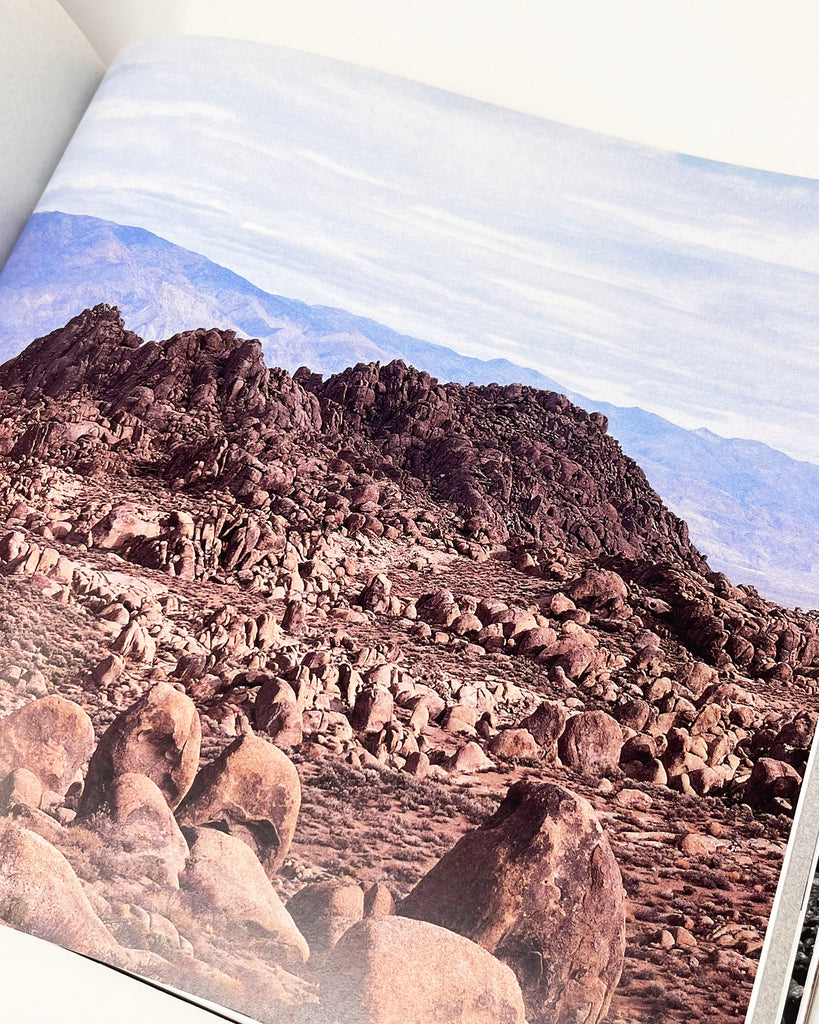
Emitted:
<point x="631" y="275"/>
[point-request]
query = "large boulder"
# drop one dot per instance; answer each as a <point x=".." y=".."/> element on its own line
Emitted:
<point x="574" y="655"/>
<point x="123" y="525"/>
<point x="277" y="713"/>
<point x="469" y="758"/>
<point x="158" y="736"/>
<point x="373" y="709"/>
<point x="41" y="895"/>
<point x="538" y="886"/>
<point x="391" y="970"/>
<point x="697" y="676"/>
<point x="252" y="791"/>
<point x="225" y="885"/>
<point x="591" y="742"/>
<point x="641" y="747"/>
<point x="533" y="641"/>
<point x="546" y="724"/>
<point x="773" y="786"/>
<point x="634" y="713"/>
<point x="51" y="737"/>
<point x="599" y="590"/>
<point x="20" y="788"/>
<point x="376" y="594"/>
<point x="438" y="609"/>
<point x="509" y="743"/>
<point x="146" y="826"/>
<point x="324" y="911"/>
<point x="799" y="732"/>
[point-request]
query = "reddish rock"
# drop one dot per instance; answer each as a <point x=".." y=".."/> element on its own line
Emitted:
<point x="537" y="883"/>
<point x="634" y="714"/>
<point x="20" y="787"/>
<point x="696" y="676"/>
<point x="40" y="894"/>
<point x="417" y="764"/>
<point x="647" y="771"/>
<point x="573" y="656"/>
<point x="591" y="741"/>
<point x="376" y="594"/>
<point x="276" y="712"/>
<point x="459" y="718"/>
<point x="515" y="743"/>
<point x="158" y="736"/>
<point x="438" y="609"/>
<point x="599" y="589"/>
<point x="391" y="970"/>
<point x="373" y="709"/>
<point x="378" y="901"/>
<point x="708" y="720"/>
<point x="51" y="737"/>
<point x="323" y="911"/>
<point x="469" y="758"/>
<point x="108" y="670"/>
<point x="532" y="641"/>
<point x="466" y="624"/>
<point x="799" y="732"/>
<point x="225" y="885"/>
<point x="146" y="826"/>
<point x="706" y="780"/>
<point x="546" y="724"/>
<point x="246" y="475"/>
<point x="560" y="604"/>
<point x="252" y="791"/>
<point x="294" y="619"/>
<point x="642" y="748"/>
<point x="770" y="783"/>
<point x="123" y="524"/>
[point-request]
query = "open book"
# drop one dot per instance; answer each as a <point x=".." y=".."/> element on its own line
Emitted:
<point x="409" y="552"/>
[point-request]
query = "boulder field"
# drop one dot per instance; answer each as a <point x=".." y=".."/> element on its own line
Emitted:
<point x="376" y="698"/>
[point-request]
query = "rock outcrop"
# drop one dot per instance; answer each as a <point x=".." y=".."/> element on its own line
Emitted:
<point x="226" y="885"/>
<point x="158" y="736"/>
<point x="40" y="894"/>
<point x="50" y="737"/>
<point x="251" y="791"/>
<point x="538" y="886"/>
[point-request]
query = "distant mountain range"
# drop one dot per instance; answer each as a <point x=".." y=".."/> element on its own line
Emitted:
<point x="751" y="509"/>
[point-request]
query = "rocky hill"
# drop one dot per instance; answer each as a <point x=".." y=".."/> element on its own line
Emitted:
<point x="510" y="463"/>
<point x="750" y="508"/>
<point x="298" y="674"/>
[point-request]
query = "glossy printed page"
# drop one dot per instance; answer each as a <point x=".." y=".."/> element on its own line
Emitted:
<point x="381" y="674"/>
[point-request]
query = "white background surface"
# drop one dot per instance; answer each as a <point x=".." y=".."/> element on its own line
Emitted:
<point x="48" y="73"/>
<point x="43" y="984"/>
<point x="733" y="80"/>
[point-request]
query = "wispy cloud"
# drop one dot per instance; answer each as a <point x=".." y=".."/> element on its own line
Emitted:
<point x="326" y="163"/>
<point x="629" y="274"/>
<point x="125" y="108"/>
<point x="733" y="235"/>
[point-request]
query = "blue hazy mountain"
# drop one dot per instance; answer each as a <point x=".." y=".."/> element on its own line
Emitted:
<point x="751" y="509"/>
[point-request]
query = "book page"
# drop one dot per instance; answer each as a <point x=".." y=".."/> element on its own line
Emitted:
<point x="50" y="73"/>
<point x="421" y="492"/>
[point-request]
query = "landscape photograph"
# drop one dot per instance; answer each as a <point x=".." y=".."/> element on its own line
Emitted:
<point x="409" y="551"/>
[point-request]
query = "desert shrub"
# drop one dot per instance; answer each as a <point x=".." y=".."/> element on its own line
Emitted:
<point x="677" y="999"/>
